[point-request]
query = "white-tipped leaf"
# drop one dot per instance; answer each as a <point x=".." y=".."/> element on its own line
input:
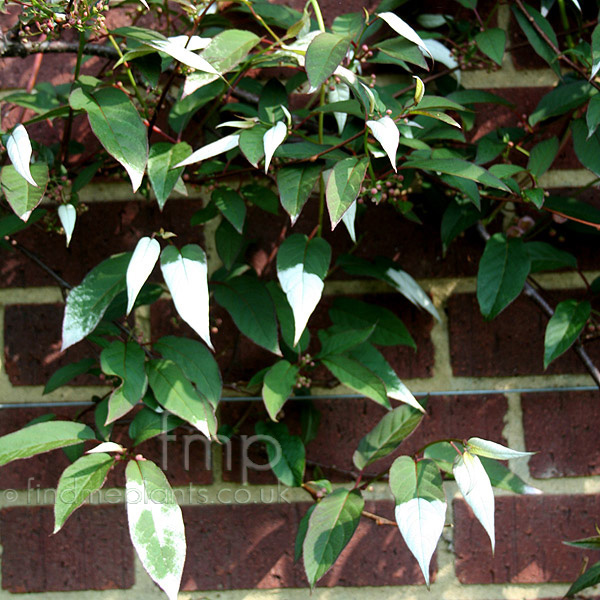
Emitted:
<point x="405" y="30"/>
<point x="385" y="131"/>
<point x="107" y="447"/>
<point x="441" y="54"/>
<point x="155" y="525"/>
<point x="142" y="262"/>
<point x="18" y="147"/>
<point x="412" y="291"/>
<point x="272" y="139"/>
<point x="184" y="55"/>
<point x="301" y="268"/>
<point x="186" y="275"/>
<point x="421" y="523"/>
<point x="420" y="507"/>
<point x="349" y="219"/>
<point x="474" y="484"/>
<point x="489" y="449"/>
<point x="339" y="93"/>
<point x="67" y="215"/>
<point x="214" y="149"/>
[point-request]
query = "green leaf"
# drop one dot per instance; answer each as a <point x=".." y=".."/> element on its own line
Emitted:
<point x="272" y="97"/>
<point x="371" y="358"/>
<point x="225" y="51"/>
<point x="186" y="274"/>
<point x="338" y="341"/>
<point x="87" y="302"/>
<point x="155" y="525"/>
<point x="538" y="43"/>
<point x="591" y="543"/>
<point x="118" y="126"/>
<point x="125" y="361"/>
<point x="248" y="302"/>
<point x="354" y="375"/>
<point x="542" y="156"/>
<point x="176" y="393"/>
<point x="420" y="506"/>
<point x="302" y="266"/>
<point x="310" y="419"/>
<point x="330" y="527"/>
<point x="343" y="186"/>
<point x="161" y="160"/>
<point x="78" y="481"/>
<point x="561" y="100"/>
<point x="286" y="452"/>
<point x="295" y="185"/>
<point x="229" y="243"/>
<point x="492" y="43"/>
<point x="545" y="257"/>
<point x="586" y="149"/>
<point x="571" y="207"/>
<point x="261" y="196"/>
<point x="389" y="329"/>
<point x="278" y="385"/>
<point x="456" y="219"/>
<point x="323" y="55"/>
<point x="184" y="109"/>
<point x="588" y="579"/>
<point x="147" y="424"/>
<point x="493" y="450"/>
<point x="42" y="437"/>
<point x="592" y="115"/>
<point x="459" y="168"/>
<point x="386" y="436"/>
<point x="231" y="206"/>
<point x="564" y="327"/>
<point x="503" y="269"/>
<point x="20" y="194"/>
<point x="251" y="144"/>
<point x="595" y="51"/>
<point x="65" y="374"/>
<point x="302" y="529"/>
<point x="400" y="49"/>
<point x="100" y="415"/>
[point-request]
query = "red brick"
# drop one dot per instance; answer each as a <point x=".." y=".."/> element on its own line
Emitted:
<point x="529" y="535"/>
<point x="256" y="550"/>
<point x="106" y="228"/>
<point x="92" y="551"/>
<point x="184" y="459"/>
<point x="511" y="344"/>
<point x="345" y="421"/>
<point x="32" y="342"/>
<point x="565" y="446"/>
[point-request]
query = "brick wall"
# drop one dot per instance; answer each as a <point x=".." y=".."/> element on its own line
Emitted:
<point x="484" y="379"/>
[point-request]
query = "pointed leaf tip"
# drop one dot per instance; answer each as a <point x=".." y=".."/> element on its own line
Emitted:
<point x="18" y="147"/>
<point x="186" y="275"/>
<point x="142" y="262"/>
<point x="387" y="134"/>
<point x="474" y="484"/>
<point x="272" y="139"/>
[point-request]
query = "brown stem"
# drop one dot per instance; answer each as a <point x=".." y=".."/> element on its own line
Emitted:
<point x="378" y="519"/>
<point x="559" y="54"/>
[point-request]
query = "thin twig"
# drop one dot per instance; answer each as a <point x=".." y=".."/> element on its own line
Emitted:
<point x="378" y="519"/>
<point x="530" y="291"/>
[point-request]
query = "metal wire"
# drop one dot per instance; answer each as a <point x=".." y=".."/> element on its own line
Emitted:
<point x="480" y="392"/>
